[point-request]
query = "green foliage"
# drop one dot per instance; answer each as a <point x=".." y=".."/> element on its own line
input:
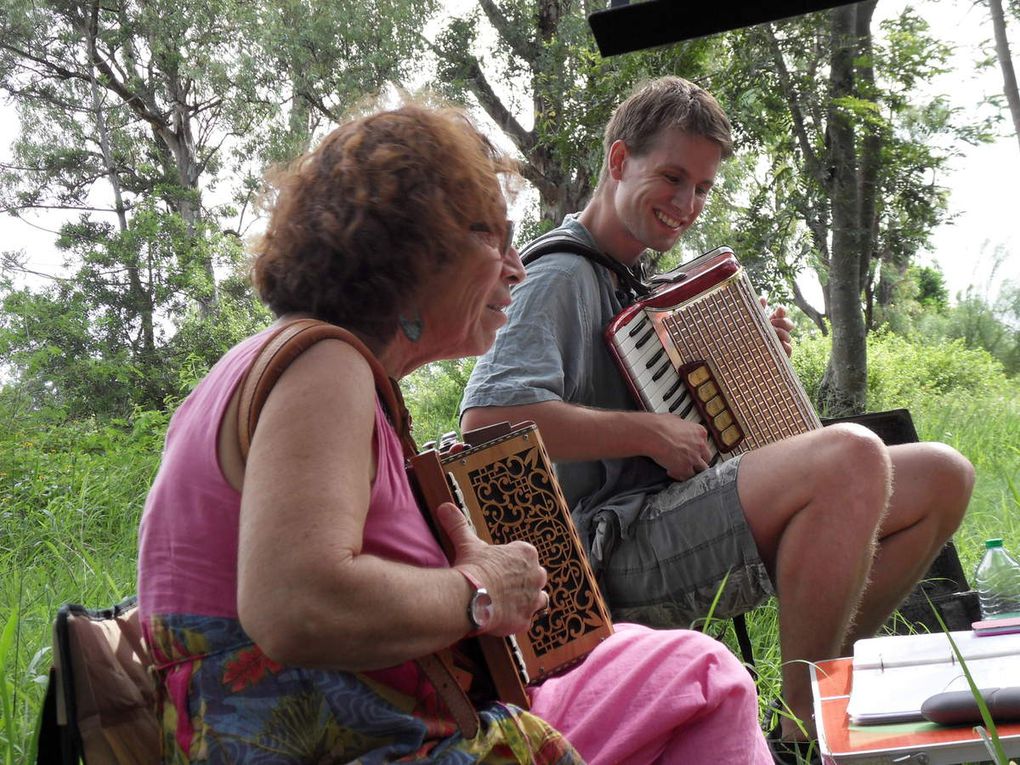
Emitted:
<point x="845" y="150"/>
<point x="978" y="324"/>
<point x="71" y="494"/>
<point x="132" y="115"/>
<point x="917" y="306"/>
<point x="433" y="395"/>
<point x="901" y="372"/>
<point x="931" y="286"/>
<point x="112" y="338"/>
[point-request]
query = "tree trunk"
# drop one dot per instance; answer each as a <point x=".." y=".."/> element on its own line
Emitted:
<point x="844" y="386"/>
<point x="1009" y="86"/>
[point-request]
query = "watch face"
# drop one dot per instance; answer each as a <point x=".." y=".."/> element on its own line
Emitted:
<point x="480" y="611"/>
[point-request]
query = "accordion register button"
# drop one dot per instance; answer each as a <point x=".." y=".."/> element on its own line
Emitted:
<point x="722" y="421"/>
<point x="707" y="391"/>
<point x="714" y="406"/>
<point x="697" y="376"/>
<point x="731" y="435"/>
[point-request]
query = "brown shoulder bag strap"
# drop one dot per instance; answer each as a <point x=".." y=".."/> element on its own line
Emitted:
<point x="279" y="351"/>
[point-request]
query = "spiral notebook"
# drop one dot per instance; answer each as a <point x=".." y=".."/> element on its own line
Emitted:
<point x="894" y="675"/>
<point x="843" y="743"/>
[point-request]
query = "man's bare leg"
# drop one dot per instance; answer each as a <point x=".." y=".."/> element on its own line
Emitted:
<point x="822" y="508"/>
<point x="814" y="504"/>
<point x="932" y="484"/>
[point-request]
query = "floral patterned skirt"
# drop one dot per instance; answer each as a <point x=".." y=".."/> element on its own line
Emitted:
<point x="224" y="701"/>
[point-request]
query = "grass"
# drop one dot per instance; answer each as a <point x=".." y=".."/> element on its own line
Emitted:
<point x="70" y="499"/>
<point x="71" y="495"/>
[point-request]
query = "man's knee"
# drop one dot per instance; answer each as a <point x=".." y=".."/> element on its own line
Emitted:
<point x="854" y="462"/>
<point x="849" y="440"/>
<point x="951" y="481"/>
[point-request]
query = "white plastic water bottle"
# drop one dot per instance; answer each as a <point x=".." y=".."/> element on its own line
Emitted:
<point x="997" y="581"/>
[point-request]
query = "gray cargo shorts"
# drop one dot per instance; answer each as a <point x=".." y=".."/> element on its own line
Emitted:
<point x="666" y="569"/>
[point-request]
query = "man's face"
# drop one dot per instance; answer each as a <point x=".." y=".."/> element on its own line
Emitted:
<point x="659" y="194"/>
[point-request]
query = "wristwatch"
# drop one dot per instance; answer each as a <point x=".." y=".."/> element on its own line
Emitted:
<point x="479" y="610"/>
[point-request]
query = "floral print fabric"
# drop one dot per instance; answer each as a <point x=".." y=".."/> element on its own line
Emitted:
<point x="224" y="701"/>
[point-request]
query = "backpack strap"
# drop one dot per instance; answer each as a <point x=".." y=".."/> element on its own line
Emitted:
<point x="279" y="351"/>
<point x="561" y="240"/>
<point x="282" y="348"/>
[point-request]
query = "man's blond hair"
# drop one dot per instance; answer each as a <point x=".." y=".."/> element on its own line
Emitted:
<point x="666" y="102"/>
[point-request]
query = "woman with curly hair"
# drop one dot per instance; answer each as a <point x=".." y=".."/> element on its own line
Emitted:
<point x="287" y="596"/>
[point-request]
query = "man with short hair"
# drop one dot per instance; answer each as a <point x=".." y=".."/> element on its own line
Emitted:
<point x="837" y="525"/>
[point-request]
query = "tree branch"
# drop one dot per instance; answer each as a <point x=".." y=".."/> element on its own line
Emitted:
<point x="812" y="313"/>
<point x="793" y="102"/>
<point x="523" y="139"/>
<point x="1009" y="85"/>
<point x="317" y="102"/>
<point x="17" y="208"/>
<point x="521" y="47"/>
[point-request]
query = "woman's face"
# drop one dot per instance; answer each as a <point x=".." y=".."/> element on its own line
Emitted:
<point x="465" y="307"/>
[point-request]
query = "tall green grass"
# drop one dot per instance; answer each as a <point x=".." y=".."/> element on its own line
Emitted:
<point x="71" y="494"/>
<point x="70" y="498"/>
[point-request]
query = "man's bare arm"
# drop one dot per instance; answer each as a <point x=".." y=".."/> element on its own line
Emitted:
<point x="579" y="433"/>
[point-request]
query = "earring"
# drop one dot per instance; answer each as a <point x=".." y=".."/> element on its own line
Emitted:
<point x="411" y="327"/>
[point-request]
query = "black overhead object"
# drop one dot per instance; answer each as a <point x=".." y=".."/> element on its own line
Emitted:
<point x="626" y="27"/>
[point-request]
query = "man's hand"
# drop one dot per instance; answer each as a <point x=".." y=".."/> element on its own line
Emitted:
<point x="782" y="324"/>
<point x="681" y="447"/>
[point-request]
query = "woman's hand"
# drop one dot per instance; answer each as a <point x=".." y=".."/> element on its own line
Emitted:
<point x="511" y="573"/>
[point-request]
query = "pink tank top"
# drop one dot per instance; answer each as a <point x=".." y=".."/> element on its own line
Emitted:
<point x="187" y="560"/>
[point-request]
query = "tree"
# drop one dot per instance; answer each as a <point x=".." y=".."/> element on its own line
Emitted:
<point x="854" y="157"/>
<point x="544" y="50"/>
<point x="136" y="115"/>
<point x="1009" y="85"/>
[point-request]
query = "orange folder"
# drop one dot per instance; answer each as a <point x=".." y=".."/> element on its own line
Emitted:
<point x="840" y="742"/>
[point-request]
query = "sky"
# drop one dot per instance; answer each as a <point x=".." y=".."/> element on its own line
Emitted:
<point x="983" y="183"/>
<point x="984" y="199"/>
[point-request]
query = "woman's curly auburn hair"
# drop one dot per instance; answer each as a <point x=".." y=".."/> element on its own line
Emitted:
<point x="362" y="225"/>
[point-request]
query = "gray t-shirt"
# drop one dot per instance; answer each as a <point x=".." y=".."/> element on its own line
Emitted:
<point x="552" y="348"/>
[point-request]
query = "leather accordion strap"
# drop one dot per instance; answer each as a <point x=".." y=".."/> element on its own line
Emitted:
<point x="436" y="667"/>
<point x="279" y="351"/>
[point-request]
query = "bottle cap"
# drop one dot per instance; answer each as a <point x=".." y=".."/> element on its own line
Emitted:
<point x="993" y="543"/>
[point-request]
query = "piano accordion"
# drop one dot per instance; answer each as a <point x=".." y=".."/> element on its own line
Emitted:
<point x="701" y="346"/>
<point x="503" y="481"/>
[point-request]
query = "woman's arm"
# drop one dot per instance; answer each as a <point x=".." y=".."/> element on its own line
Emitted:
<point x="306" y="593"/>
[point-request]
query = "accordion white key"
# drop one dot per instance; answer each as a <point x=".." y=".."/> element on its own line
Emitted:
<point x="701" y="346"/>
